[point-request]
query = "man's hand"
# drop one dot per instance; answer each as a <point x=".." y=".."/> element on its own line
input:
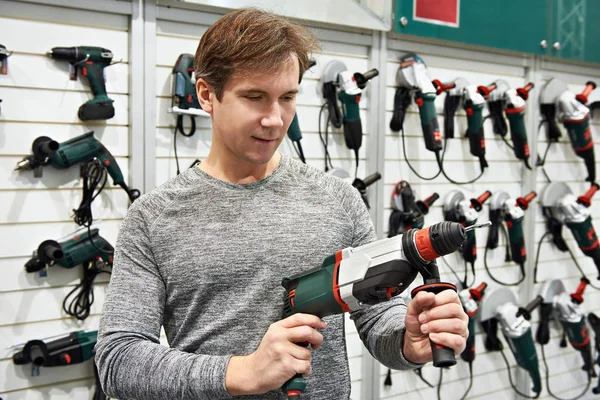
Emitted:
<point x="277" y="358"/>
<point x="437" y="317"/>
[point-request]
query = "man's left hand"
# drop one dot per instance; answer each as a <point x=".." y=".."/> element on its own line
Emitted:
<point x="437" y="317"/>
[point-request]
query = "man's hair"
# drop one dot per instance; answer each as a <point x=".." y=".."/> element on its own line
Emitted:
<point x="251" y="40"/>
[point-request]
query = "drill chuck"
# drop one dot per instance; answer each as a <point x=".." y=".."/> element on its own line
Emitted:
<point x="69" y="54"/>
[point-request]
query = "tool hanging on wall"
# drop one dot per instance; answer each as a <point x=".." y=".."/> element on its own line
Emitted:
<point x="353" y="278"/>
<point x="359" y="184"/>
<point x="501" y="97"/>
<point x="72" y="152"/>
<point x="90" y="250"/>
<point x="338" y="83"/>
<point x="74" y="348"/>
<point x="560" y="206"/>
<point x="595" y="324"/>
<point x="564" y="308"/>
<point x="91" y="62"/>
<point x="500" y="306"/>
<point x="295" y="135"/>
<point x="461" y="93"/>
<point x="458" y="209"/>
<point x="184" y="99"/>
<point x="512" y="212"/>
<point x="406" y="212"/>
<point x="469" y="298"/>
<point x="4" y="54"/>
<point x="558" y="103"/>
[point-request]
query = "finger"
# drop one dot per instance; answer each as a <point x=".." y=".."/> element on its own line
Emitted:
<point x="301" y="367"/>
<point x="302" y="319"/>
<point x="455" y="342"/>
<point x="304" y="334"/>
<point x="445" y="311"/>
<point x="445" y="297"/>
<point x="299" y="352"/>
<point x="452" y="325"/>
<point x="422" y="301"/>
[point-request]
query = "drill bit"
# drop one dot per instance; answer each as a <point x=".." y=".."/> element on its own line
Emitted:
<point x="482" y="225"/>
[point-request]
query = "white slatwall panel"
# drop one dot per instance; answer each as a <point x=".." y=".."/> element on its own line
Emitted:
<point x="566" y="378"/>
<point x="174" y="38"/>
<point x="40" y="100"/>
<point x="505" y="173"/>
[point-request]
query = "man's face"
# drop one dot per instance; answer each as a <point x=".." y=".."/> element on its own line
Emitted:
<point x="254" y="113"/>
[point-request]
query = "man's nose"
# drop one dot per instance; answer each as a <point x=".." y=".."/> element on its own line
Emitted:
<point x="272" y="117"/>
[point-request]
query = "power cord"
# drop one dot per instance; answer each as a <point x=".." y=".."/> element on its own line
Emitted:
<point x="587" y="387"/>
<point x="179" y="128"/>
<point x="511" y="379"/>
<point x="324" y="141"/>
<point x="507" y="258"/>
<point x="464" y="396"/>
<point x="83" y="294"/>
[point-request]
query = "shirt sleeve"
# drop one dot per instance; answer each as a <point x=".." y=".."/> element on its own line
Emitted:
<point x="381" y="326"/>
<point x="131" y="362"/>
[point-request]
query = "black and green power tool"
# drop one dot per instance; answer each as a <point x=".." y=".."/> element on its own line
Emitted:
<point x="74" y="348"/>
<point x="564" y="308"/>
<point x="560" y="206"/>
<point x="90" y="61"/>
<point x="75" y="249"/>
<point x="408" y="213"/>
<point x="353" y="278"/>
<point x="500" y="306"/>
<point x="72" y="152"/>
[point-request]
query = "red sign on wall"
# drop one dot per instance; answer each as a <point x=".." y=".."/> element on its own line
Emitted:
<point x="440" y="12"/>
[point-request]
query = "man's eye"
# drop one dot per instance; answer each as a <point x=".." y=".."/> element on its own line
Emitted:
<point x="289" y="98"/>
<point x="253" y="98"/>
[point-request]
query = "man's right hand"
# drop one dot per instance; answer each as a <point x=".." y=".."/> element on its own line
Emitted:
<point x="278" y="357"/>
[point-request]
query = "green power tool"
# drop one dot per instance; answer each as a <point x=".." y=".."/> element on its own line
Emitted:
<point x="77" y="248"/>
<point x="500" y="306"/>
<point x="90" y="61"/>
<point x="74" y="348"/>
<point x="353" y="278"/>
<point x="74" y="151"/>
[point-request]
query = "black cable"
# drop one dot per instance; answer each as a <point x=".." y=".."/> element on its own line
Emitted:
<point x="439" y="386"/>
<point x="324" y="141"/>
<point x="507" y="143"/>
<point x="511" y="379"/>
<point x="451" y="269"/>
<point x="94" y="174"/>
<point x="409" y="164"/>
<point x="419" y="373"/>
<point x="440" y="161"/>
<point x="492" y="277"/>
<point x="298" y="147"/>
<point x="464" y="396"/>
<point x="175" y="149"/>
<point x="81" y="304"/>
<point x="542" y="161"/>
<point x="587" y="387"/>
<point x="179" y="128"/>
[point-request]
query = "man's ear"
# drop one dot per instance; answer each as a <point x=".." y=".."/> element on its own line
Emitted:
<point x="205" y="95"/>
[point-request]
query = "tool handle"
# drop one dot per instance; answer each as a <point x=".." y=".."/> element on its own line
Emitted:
<point x="517" y="240"/>
<point x="486" y="90"/>
<point x="542" y="335"/>
<point x="579" y="337"/>
<point x="371" y="179"/>
<point x="109" y="162"/>
<point x="468" y="354"/>
<point x="478" y="292"/>
<point x="469" y="247"/>
<point x="582" y="143"/>
<point x="442" y="356"/>
<point x="429" y="122"/>
<point x="424" y="205"/>
<point x="528" y="309"/>
<point x="524" y="91"/>
<point x="523" y="202"/>
<point x="518" y="133"/>
<point x="586" y="198"/>
<point x="477" y="203"/>
<point x="586" y="238"/>
<point x="294" y="132"/>
<point x="583" y="96"/>
<point x="352" y="123"/>
<point x="475" y="132"/>
<point x="441" y="86"/>
<point x="362" y="79"/>
<point x="294" y="387"/>
<point x="577" y="296"/>
<point x="92" y="71"/>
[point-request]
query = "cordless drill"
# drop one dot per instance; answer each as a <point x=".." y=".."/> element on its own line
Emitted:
<point x="565" y="309"/>
<point x="513" y="101"/>
<point x="373" y="273"/>
<point x="80" y="247"/>
<point x="74" y="151"/>
<point x="466" y="212"/>
<point x="90" y="61"/>
<point x="460" y="91"/>
<point x="406" y="212"/>
<point x="512" y="212"/>
<point x="500" y="307"/>
<point x="74" y="348"/>
<point x="469" y="299"/>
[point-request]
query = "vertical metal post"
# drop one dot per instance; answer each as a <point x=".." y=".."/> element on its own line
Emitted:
<point x="136" y="96"/>
<point x="149" y="104"/>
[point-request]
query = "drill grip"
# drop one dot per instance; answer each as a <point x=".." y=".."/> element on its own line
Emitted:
<point x="582" y="143"/>
<point x="518" y="133"/>
<point x="517" y="241"/>
<point x="475" y="132"/>
<point x="586" y="238"/>
<point x="429" y="122"/>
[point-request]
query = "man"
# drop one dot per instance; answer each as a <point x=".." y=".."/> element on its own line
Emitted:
<point x="204" y="254"/>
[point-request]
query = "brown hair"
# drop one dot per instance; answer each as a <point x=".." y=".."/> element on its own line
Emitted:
<point x="249" y="40"/>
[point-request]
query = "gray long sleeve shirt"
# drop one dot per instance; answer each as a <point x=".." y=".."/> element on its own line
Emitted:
<point x="205" y="258"/>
